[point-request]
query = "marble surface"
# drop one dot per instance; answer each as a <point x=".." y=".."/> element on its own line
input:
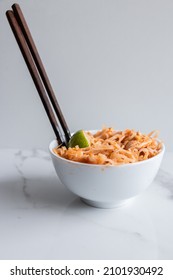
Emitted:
<point x="41" y="219"/>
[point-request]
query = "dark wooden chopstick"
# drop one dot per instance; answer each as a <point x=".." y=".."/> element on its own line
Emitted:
<point x="27" y="34"/>
<point x="29" y="51"/>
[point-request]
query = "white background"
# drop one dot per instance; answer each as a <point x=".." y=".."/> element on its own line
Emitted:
<point x="110" y="63"/>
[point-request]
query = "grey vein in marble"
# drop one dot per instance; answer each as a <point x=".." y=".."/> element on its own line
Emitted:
<point x="19" y="161"/>
<point x="35" y="153"/>
<point x="20" y="157"/>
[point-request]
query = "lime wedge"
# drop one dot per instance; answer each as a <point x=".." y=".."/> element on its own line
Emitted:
<point x="80" y="139"/>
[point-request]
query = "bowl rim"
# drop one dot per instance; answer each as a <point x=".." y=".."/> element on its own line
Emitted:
<point x="103" y="165"/>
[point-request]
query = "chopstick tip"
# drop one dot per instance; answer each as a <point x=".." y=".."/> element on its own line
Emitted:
<point x="8" y="13"/>
<point x="15" y="5"/>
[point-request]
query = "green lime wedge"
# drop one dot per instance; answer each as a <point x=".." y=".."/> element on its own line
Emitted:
<point x="80" y="139"/>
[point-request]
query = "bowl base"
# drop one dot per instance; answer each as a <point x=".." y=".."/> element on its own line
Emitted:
<point x="107" y="205"/>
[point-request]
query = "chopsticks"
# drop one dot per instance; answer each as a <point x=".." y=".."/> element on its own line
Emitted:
<point x="38" y="73"/>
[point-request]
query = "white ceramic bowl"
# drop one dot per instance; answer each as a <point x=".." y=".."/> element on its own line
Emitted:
<point x="106" y="186"/>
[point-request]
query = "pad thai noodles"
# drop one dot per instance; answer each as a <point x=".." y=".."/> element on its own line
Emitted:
<point x="114" y="147"/>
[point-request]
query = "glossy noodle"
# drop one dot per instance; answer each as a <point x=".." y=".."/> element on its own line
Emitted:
<point x="112" y="147"/>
